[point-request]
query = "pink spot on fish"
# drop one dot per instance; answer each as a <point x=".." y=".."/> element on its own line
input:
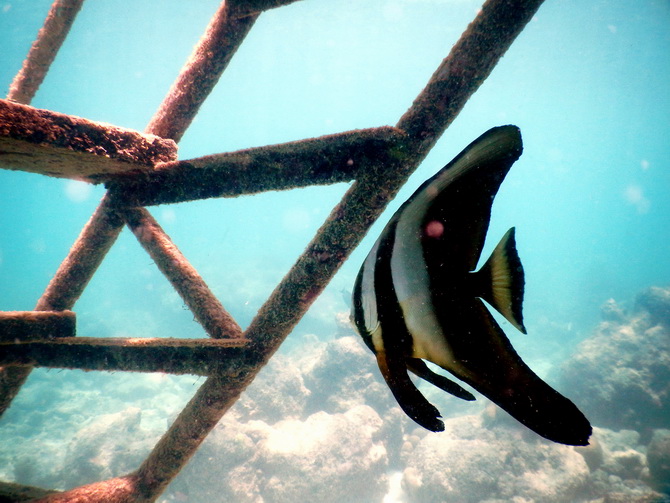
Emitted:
<point x="434" y="229"/>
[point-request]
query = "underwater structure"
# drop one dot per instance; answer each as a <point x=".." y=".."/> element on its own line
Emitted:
<point x="142" y="169"/>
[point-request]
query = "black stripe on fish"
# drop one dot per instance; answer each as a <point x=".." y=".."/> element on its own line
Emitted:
<point x="397" y="341"/>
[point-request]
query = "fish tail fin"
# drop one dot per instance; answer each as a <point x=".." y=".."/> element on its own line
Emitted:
<point x="500" y="281"/>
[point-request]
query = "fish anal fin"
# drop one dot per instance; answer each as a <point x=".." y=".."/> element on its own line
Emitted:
<point x="500" y="281"/>
<point x="410" y="399"/>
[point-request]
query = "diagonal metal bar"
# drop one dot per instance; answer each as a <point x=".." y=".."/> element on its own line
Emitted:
<point x="69" y="282"/>
<point x="184" y="278"/>
<point x="242" y="8"/>
<point x="117" y="490"/>
<point x="43" y="51"/>
<point x="485" y="41"/>
<point x="198" y="77"/>
<point x="339" y="235"/>
<point x="341" y="232"/>
<point x="470" y="61"/>
<point x="201" y="73"/>
<point x="85" y="256"/>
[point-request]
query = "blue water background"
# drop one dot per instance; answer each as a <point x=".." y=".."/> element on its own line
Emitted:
<point x="587" y="83"/>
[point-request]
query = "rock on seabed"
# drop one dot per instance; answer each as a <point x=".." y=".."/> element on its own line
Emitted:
<point x="620" y="376"/>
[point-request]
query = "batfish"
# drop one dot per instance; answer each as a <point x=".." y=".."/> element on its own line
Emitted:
<point x="417" y="298"/>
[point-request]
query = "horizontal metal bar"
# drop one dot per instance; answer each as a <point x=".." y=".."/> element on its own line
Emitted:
<point x="316" y="161"/>
<point x="206" y="357"/>
<point x="27" y="325"/>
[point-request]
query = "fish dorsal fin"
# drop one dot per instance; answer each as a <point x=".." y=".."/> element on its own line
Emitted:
<point x="500" y="281"/>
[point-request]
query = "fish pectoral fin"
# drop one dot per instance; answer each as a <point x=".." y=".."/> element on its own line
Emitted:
<point x="410" y="399"/>
<point x="500" y="281"/>
<point x="420" y="368"/>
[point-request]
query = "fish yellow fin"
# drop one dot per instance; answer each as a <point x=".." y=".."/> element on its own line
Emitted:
<point x="500" y="281"/>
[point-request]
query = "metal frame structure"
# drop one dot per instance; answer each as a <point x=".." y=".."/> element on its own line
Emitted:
<point x="378" y="161"/>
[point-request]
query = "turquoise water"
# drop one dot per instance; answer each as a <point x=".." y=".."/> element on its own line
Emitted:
<point x="586" y="82"/>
